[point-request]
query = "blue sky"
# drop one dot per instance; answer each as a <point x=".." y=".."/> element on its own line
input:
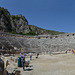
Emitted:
<point x="58" y="15"/>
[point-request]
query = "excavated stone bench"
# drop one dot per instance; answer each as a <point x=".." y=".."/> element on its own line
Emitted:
<point x="54" y="53"/>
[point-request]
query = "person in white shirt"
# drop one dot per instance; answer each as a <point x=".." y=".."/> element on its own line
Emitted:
<point x="30" y="56"/>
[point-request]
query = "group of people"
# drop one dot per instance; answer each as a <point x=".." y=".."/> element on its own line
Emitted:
<point x="23" y="55"/>
<point x="73" y="51"/>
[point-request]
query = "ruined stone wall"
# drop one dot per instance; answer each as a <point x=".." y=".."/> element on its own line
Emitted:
<point x="42" y="43"/>
<point x="56" y="43"/>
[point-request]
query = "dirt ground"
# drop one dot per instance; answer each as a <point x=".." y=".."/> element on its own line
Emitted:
<point x="60" y="64"/>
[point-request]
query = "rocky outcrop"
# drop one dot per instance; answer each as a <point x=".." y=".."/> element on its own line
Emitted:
<point x="12" y="23"/>
<point x="19" y="24"/>
<point x="5" y="24"/>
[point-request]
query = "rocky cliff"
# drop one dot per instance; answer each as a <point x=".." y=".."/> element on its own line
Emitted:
<point x="19" y="24"/>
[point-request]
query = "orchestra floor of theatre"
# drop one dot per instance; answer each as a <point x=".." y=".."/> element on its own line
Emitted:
<point x="60" y="64"/>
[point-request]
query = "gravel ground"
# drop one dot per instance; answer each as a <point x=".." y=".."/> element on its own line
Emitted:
<point x="61" y="64"/>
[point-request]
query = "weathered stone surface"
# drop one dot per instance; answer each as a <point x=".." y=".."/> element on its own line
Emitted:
<point x="61" y="43"/>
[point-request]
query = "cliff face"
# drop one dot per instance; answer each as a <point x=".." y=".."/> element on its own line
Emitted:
<point x="5" y="24"/>
<point x="13" y="23"/>
<point x="19" y="24"/>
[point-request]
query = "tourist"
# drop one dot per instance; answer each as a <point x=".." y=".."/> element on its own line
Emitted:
<point x="50" y="52"/>
<point x="30" y="56"/>
<point x="23" y="59"/>
<point x="66" y="52"/>
<point x="37" y="54"/>
<point x="72" y="51"/>
<point x="69" y="51"/>
<point x="2" y="47"/>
